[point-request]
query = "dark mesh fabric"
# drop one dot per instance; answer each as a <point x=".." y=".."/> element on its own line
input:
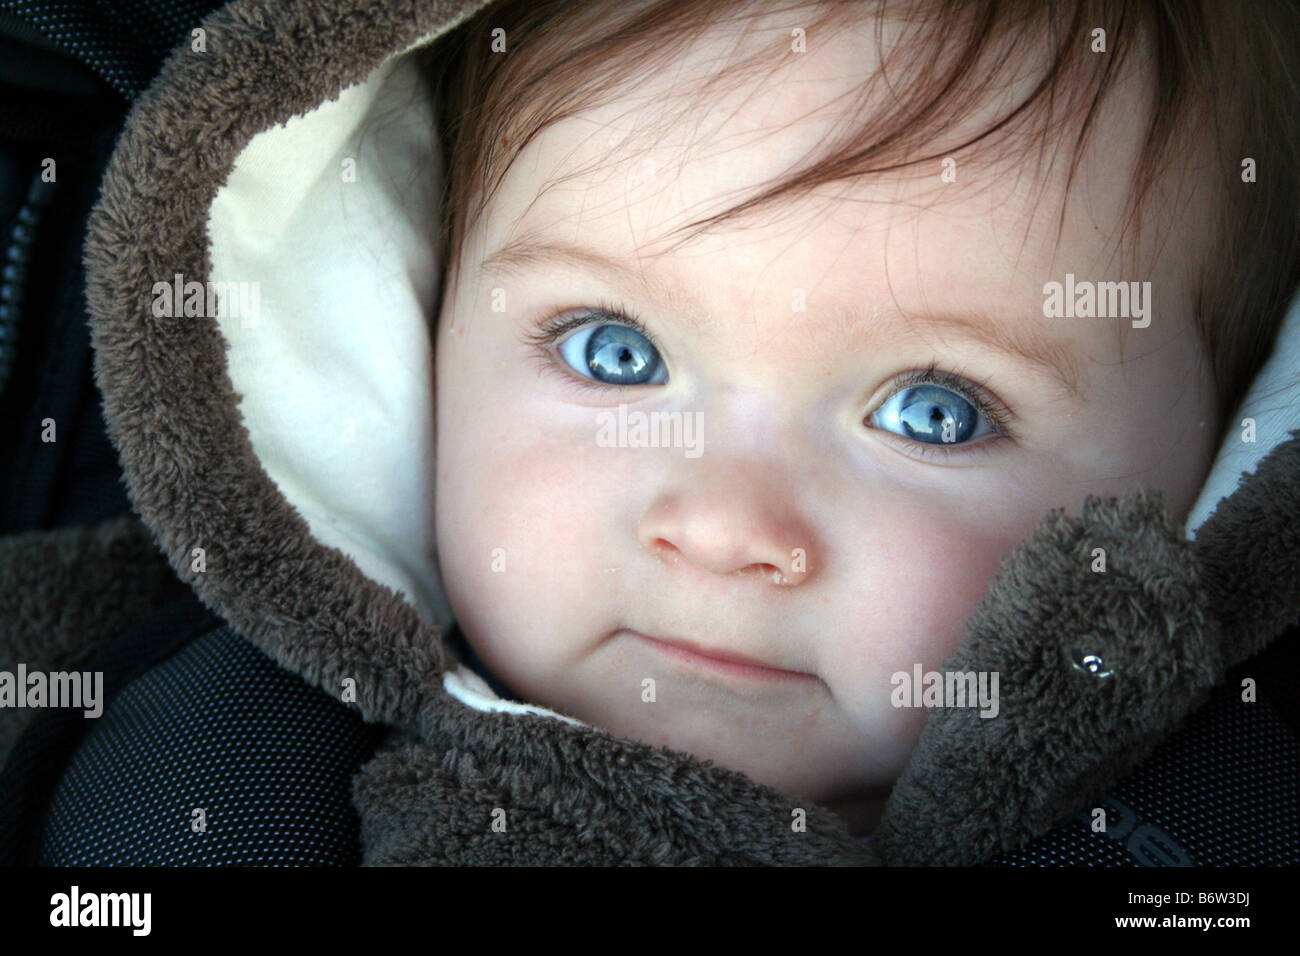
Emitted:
<point x="122" y="41"/>
<point x="68" y="69"/>
<point x="218" y="726"/>
<point x="1223" y="791"/>
<point x="40" y="756"/>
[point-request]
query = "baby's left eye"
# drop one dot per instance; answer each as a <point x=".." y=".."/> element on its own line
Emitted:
<point x="614" y="354"/>
<point x="931" y="414"/>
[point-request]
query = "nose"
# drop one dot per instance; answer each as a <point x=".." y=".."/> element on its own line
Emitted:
<point x="729" y="517"/>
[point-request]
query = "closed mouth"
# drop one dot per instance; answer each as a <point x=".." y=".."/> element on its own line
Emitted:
<point x="725" y="662"/>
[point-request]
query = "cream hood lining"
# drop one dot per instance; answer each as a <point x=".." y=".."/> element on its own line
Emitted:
<point x="331" y="218"/>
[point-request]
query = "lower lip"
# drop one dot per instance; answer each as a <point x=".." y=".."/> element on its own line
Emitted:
<point x="751" y="672"/>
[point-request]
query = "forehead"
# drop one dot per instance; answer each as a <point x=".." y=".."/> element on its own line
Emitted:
<point x="625" y="176"/>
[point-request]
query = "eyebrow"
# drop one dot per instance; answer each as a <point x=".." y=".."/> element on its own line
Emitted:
<point x="1019" y="342"/>
<point x="528" y="252"/>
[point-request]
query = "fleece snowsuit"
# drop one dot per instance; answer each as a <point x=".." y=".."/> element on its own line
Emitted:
<point x="279" y="461"/>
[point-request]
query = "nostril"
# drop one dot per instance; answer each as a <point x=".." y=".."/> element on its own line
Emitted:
<point x="769" y="571"/>
<point x="669" y="553"/>
<point x="775" y="574"/>
<point x="664" y="549"/>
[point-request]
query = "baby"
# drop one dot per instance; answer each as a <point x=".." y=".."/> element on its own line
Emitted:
<point x="837" y="240"/>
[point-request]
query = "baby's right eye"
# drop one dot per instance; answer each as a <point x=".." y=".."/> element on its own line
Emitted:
<point x="614" y="355"/>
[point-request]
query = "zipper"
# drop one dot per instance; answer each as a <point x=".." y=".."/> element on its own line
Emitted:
<point x="13" y="274"/>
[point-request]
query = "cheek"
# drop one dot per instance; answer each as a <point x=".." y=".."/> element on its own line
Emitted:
<point x="924" y="571"/>
<point x="520" y="532"/>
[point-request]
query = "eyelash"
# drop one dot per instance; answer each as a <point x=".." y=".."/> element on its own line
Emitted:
<point x="544" y="337"/>
<point x="547" y="333"/>
<point x="969" y="388"/>
<point x="974" y="391"/>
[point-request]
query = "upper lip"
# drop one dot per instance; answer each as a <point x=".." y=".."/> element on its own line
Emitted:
<point x="730" y="657"/>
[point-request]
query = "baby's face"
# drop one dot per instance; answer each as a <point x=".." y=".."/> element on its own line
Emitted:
<point x="826" y="527"/>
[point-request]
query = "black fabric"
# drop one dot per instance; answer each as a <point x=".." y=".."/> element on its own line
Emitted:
<point x="41" y="754"/>
<point x="1223" y="791"/>
<point x="74" y="480"/>
<point x="123" y="41"/>
<point x="217" y="727"/>
<point x="67" y="73"/>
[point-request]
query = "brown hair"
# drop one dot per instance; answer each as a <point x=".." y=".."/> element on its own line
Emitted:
<point x="1221" y="66"/>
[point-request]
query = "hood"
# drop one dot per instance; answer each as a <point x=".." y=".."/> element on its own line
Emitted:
<point x="281" y="451"/>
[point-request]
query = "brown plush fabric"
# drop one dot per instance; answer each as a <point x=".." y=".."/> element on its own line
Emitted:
<point x="168" y="401"/>
<point x="574" y="797"/>
<point x="66" y="593"/>
<point x="1167" y="616"/>
<point x="1249" y="550"/>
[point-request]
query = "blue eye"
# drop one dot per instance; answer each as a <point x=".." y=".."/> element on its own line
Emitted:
<point x="931" y="414"/>
<point x="614" y="355"/>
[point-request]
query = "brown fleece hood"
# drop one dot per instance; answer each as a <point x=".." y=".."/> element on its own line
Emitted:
<point x="280" y="453"/>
